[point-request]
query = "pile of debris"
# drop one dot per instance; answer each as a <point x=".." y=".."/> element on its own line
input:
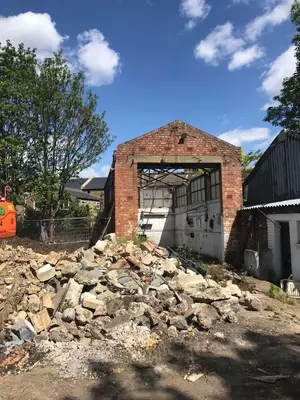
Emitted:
<point x="112" y="291"/>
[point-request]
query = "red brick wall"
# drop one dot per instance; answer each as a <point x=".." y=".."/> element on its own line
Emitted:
<point x="164" y="142"/>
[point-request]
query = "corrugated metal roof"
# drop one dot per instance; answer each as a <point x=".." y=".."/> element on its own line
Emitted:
<point x="285" y="203"/>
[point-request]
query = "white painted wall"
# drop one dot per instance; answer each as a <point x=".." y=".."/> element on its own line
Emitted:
<point x="274" y="242"/>
<point x="207" y="240"/>
<point x="162" y="221"/>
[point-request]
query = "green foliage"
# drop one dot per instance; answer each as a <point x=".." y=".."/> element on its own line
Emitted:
<point x="49" y="128"/>
<point x="286" y="112"/>
<point x="249" y="160"/>
<point x="276" y="293"/>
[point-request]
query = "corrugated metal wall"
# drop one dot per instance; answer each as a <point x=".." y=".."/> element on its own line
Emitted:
<point x="277" y="177"/>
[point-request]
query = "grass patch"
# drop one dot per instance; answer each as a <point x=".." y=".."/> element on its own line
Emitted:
<point x="276" y="293"/>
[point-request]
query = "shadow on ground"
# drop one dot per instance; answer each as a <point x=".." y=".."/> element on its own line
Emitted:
<point x="226" y="372"/>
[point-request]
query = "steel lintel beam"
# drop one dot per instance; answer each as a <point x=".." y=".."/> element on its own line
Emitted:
<point x="163" y="159"/>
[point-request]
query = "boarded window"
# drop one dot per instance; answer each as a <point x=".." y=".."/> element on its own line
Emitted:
<point x="197" y="190"/>
<point x="156" y="197"/>
<point x="180" y="195"/>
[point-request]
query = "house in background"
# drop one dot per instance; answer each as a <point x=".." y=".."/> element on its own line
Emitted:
<point x="271" y="218"/>
<point x="88" y="191"/>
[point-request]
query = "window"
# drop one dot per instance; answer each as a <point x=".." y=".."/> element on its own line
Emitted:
<point x="197" y="190"/>
<point x="157" y="197"/>
<point x="180" y="195"/>
<point x="215" y="185"/>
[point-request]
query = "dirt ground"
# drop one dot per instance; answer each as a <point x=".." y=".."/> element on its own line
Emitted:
<point x="260" y="344"/>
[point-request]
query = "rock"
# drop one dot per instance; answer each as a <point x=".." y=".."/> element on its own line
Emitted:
<point x="191" y="284"/>
<point x="153" y="317"/>
<point x="143" y="321"/>
<point x="100" y="246"/>
<point x="119" y="264"/>
<point x="234" y="289"/>
<point x="227" y="308"/>
<point x="108" y="295"/>
<point x="110" y="237"/>
<point x="88" y="256"/>
<point x="210" y="295"/>
<point x="68" y="315"/>
<point x="245" y="299"/>
<point x="157" y="282"/>
<point x="24" y="330"/>
<point x="148" y="259"/>
<point x="87" y="278"/>
<point x="101" y="309"/>
<point x="137" y="309"/>
<point x="180" y="308"/>
<point x="82" y="315"/>
<point x="113" y="278"/>
<point x="52" y="258"/>
<point x="128" y="281"/>
<point x="33" y="289"/>
<point x="34" y="265"/>
<point x="254" y="304"/>
<point x="169" y="267"/>
<point x="211" y="283"/>
<point x="45" y="273"/>
<point x="44" y="335"/>
<point x="119" y="320"/>
<point x="60" y="334"/>
<point x="91" y="302"/>
<point x="47" y="302"/>
<point x="21" y="315"/>
<point x="179" y="322"/>
<point x="172" y="331"/>
<point x="219" y="335"/>
<point x="164" y="316"/>
<point x="206" y="316"/>
<point x="113" y="306"/>
<point x="73" y="294"/>
<point x="69" y="270"/>
<point x="99" y="289"/>
<point x="8" y="280"/>
<point x="33" y="303"/>
<point x="40" y="320"/>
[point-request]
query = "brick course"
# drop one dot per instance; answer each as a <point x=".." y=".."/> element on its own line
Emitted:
<point x="162" y="142"/>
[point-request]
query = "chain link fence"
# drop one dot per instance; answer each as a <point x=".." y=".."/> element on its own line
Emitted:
<point x="61" y="230"/>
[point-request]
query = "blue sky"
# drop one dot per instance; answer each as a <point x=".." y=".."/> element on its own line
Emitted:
<point x="212" y="63"/>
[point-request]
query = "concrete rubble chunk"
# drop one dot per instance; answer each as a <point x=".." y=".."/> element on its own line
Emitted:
<point x="101" y="309"/>
<point x="60" y="334"/>
<point x="153" y="316"/>
<point x="254" y="304"/>
<point x="149" y="259"/>
<point x="68" y="315"/>
<point x="47" y="302"/>
<point x="172" y="331"/>
<point x="91" y="302"/>
<point x="179" y="322"/>
<point x="52" y="258"/>
<point x="210" y="295"/>
<point x="41" y="320"/>
<point x="206" y="316"/>
<point x="82" y="315"/>
<point x="191" y="283"/>
<point x="100" y="246"/>
<point x="70" y="269"/>
<point x="24" y="330"/>
<point x="45" y="273"/>
<point x="234" y="289"/>
<point x="227" y="308"/>
<point x="113" y="305"/>
<point x="169" y="267"/>
<point x="87" y="278"/>
<point x="118" y="264"/>
<point x="137" y="309"/>
<point x="111" y="237"/>
<point x="73" y="293"/>
<point x="33" y="303"/>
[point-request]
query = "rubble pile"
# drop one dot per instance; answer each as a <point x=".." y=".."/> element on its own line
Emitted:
<point x="114" y="291"/>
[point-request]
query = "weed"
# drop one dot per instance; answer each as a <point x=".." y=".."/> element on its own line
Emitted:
<point x="276" y="293"/>
<point x="65" y="304"/>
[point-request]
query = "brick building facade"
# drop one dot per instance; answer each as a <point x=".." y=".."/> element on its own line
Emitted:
<point x="176" y="143"/>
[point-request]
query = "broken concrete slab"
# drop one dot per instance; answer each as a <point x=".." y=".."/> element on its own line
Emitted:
<point x="40" y="320"/>
<point x="70" y="269"/>
<point x="179" y="322"/>
<point x="101" y="310"/>
<point x="45" y="273"/>
<point x="73" y="293"/>
<point x="47" y="302"/>
<point x="91" y="302"/>
<point x="52" y="258"/>
<point x="100" y="246"/>
<point x="227" y="308"/>
<point x="87" y="278"/>
<point x="210" y="295"/>
<point x="82" y="315"/>
<point x="68" y="315"/>
<point x="206" y="316"/>
<point x="33" y="303"/>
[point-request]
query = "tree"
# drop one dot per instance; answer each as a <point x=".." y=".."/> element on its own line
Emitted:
<point x="249" y="160"/>
<point x="50" y="128"/>
<point x="286" y="111"/>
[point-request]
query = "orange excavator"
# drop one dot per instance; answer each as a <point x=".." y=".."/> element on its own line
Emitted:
<point x="8" y="223"/>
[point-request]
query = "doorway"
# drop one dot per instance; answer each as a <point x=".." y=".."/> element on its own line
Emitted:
<point x="285" y="245"/>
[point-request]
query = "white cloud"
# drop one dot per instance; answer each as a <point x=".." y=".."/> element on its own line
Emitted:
<point x="240" y="136"/>
<point x="283" y="67"/>
<point x="88" y="173"/>
<point x="35" y="30"/>
<point x="245" y="57"/>
<point x="105" y="169"/>
<point x="99" y="61"/>
<point x="194" y="10"/>
<point x="264" y="144"/>
<point x="219" y="43"/>
<point x="272" y="17"/>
